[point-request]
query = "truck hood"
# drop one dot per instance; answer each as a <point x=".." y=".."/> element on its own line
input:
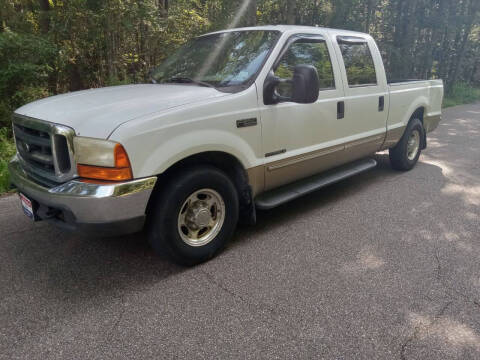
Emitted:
<point x="97" y="112"/>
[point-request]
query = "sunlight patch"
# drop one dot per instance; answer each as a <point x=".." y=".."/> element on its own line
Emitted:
<point x="366" y="260"/>
<point x="471" y="216"/>
<point x="448" y="331"/>
<point x="471" y="194"/>
<point x="446" y="170"/>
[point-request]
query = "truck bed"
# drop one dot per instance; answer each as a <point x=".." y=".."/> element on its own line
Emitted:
<point x="408" y="95"/>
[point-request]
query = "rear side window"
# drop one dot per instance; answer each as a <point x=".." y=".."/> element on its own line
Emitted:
<point x="358" y="64"/>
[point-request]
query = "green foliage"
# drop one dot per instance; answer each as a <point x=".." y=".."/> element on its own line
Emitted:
<point x="5" y="114"/>
<point x="25" y="61"/>
<point x="7" y="150"/>
<point x="25" y="64"/>
<point x="462" y="93"/>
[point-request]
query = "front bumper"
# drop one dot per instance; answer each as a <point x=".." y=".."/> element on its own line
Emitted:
<point x="103" y="209"/>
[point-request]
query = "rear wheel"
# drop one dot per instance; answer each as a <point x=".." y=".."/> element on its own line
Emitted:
<point x="194" y="215"/>
<point x="404" y="156"/>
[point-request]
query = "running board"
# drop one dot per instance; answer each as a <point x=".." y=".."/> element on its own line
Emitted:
<point x="289" y="192"/>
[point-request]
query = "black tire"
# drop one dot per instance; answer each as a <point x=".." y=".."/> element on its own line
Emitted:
<point x="399" y="155"/>
<point x="163" y="218"/>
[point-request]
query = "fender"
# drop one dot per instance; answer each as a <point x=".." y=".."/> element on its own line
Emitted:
<point x="156" y="142"/>
<point x="421" y="102"/>
<point x="397" y="123"/>
<point x="178" y="148"/>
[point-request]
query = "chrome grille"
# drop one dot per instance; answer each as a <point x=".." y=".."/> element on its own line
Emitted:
<point x="35" y="147"/>
<point x="44" y="149"/>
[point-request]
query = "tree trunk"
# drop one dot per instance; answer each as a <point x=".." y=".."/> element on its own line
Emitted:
<point x="369" y="8"/>
<point x="44" y="16"/>
<point x="340" y="14"/>
<point x="2" y="25"/>
<point x="472" y="10"/>
<point x="291" y="12"/>
<point x="445" y="56"/>
<point x="245" y="14"/>
<point x="435" y="36"/>
<point x="75" y="79"/>
<point x="401" y="23"/>
<point x="163" y="5"/>
<point x="44" y="22"/>
<point x="251" y="14"/>
<point x="473" y="77"/>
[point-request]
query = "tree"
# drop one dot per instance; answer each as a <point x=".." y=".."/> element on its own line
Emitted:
<point x="44" y="15"/>
<point x="246" y="13"/>
<point x="291" y="11"/>
<point x="470" y="14"/>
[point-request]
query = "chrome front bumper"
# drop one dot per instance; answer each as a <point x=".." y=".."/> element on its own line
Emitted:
<point x="107" y="209"/>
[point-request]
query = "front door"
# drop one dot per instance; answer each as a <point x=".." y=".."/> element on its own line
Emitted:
<point x="302" y="139"/>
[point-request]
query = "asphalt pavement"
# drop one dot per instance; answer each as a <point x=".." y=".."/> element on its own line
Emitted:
<point x="385" y="265"/>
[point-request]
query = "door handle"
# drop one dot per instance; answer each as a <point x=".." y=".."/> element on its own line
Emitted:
<point x="340" y="109"/>
<point x="381" y="103"/>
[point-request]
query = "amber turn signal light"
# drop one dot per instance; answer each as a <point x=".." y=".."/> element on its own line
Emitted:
<point x="121" y="172"/>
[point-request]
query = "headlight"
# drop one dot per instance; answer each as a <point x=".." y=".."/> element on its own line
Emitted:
<point x="101" y="159"/>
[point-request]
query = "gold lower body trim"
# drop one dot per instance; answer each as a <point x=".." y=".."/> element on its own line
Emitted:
<point x="430" y="123"/>
<point x="393" y="137"/>
<point x="294" y="168"/>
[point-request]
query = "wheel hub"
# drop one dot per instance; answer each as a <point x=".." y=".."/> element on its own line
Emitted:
<point x="201" y="217"/>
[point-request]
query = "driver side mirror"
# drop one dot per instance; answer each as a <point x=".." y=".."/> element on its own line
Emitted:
<point x="305" y="86"/>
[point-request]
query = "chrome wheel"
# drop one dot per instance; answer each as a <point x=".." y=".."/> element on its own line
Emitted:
<point x="413" y="145"/>
<point x="201" y="217"/>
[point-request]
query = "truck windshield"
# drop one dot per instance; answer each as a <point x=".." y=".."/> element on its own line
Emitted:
<point x="228" y="59"/>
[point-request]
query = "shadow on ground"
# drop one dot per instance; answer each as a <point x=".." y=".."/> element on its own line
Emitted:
<point x="79" y="267"/>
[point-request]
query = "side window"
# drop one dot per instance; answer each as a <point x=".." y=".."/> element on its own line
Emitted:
<point x="358" y="64"/>
<point x="305" y="52"/>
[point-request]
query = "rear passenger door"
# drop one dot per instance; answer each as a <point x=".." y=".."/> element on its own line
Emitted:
<point x="366" y="94"/>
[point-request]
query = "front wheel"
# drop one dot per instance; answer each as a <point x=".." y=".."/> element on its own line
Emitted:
<point x="404" y="156"/>
<point x="194" y="215"/>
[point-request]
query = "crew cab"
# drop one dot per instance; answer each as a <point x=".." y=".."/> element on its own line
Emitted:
<point x="233" y="122"/>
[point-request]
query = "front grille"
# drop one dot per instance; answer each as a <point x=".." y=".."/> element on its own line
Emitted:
<point x="45" y="149"/>
<point x="35" y="147"/>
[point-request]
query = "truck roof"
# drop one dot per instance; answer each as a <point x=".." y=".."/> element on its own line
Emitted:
<point x="285" y="28"/>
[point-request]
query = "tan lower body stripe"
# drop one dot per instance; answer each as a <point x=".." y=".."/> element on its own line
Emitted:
<point x="305" y="158"/>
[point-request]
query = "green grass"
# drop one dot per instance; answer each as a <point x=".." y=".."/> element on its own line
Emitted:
<point x="7" y="150"/>
<point x="462" y="94"/>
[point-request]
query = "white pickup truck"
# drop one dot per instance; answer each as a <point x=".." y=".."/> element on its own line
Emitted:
<point x="234" y="121"/>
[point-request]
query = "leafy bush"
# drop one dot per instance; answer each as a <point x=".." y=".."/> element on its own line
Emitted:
<point x="7" y="150"/>
<point x="462" y="93"/>
<point x="25" y="65"/>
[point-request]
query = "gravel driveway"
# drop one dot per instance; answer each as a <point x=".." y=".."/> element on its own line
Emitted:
<point x="385" y="265"/>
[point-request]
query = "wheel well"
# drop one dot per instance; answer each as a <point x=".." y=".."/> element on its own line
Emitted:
<point x="419" y="114"/>
<point x="231" y="166"/>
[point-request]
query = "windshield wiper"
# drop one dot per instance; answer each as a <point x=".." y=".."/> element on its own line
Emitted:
<point x="187" y="80"/>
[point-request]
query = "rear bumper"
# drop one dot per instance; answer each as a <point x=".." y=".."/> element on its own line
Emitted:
<point x="103" y="209"/>
<point x="430" y="123"/>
